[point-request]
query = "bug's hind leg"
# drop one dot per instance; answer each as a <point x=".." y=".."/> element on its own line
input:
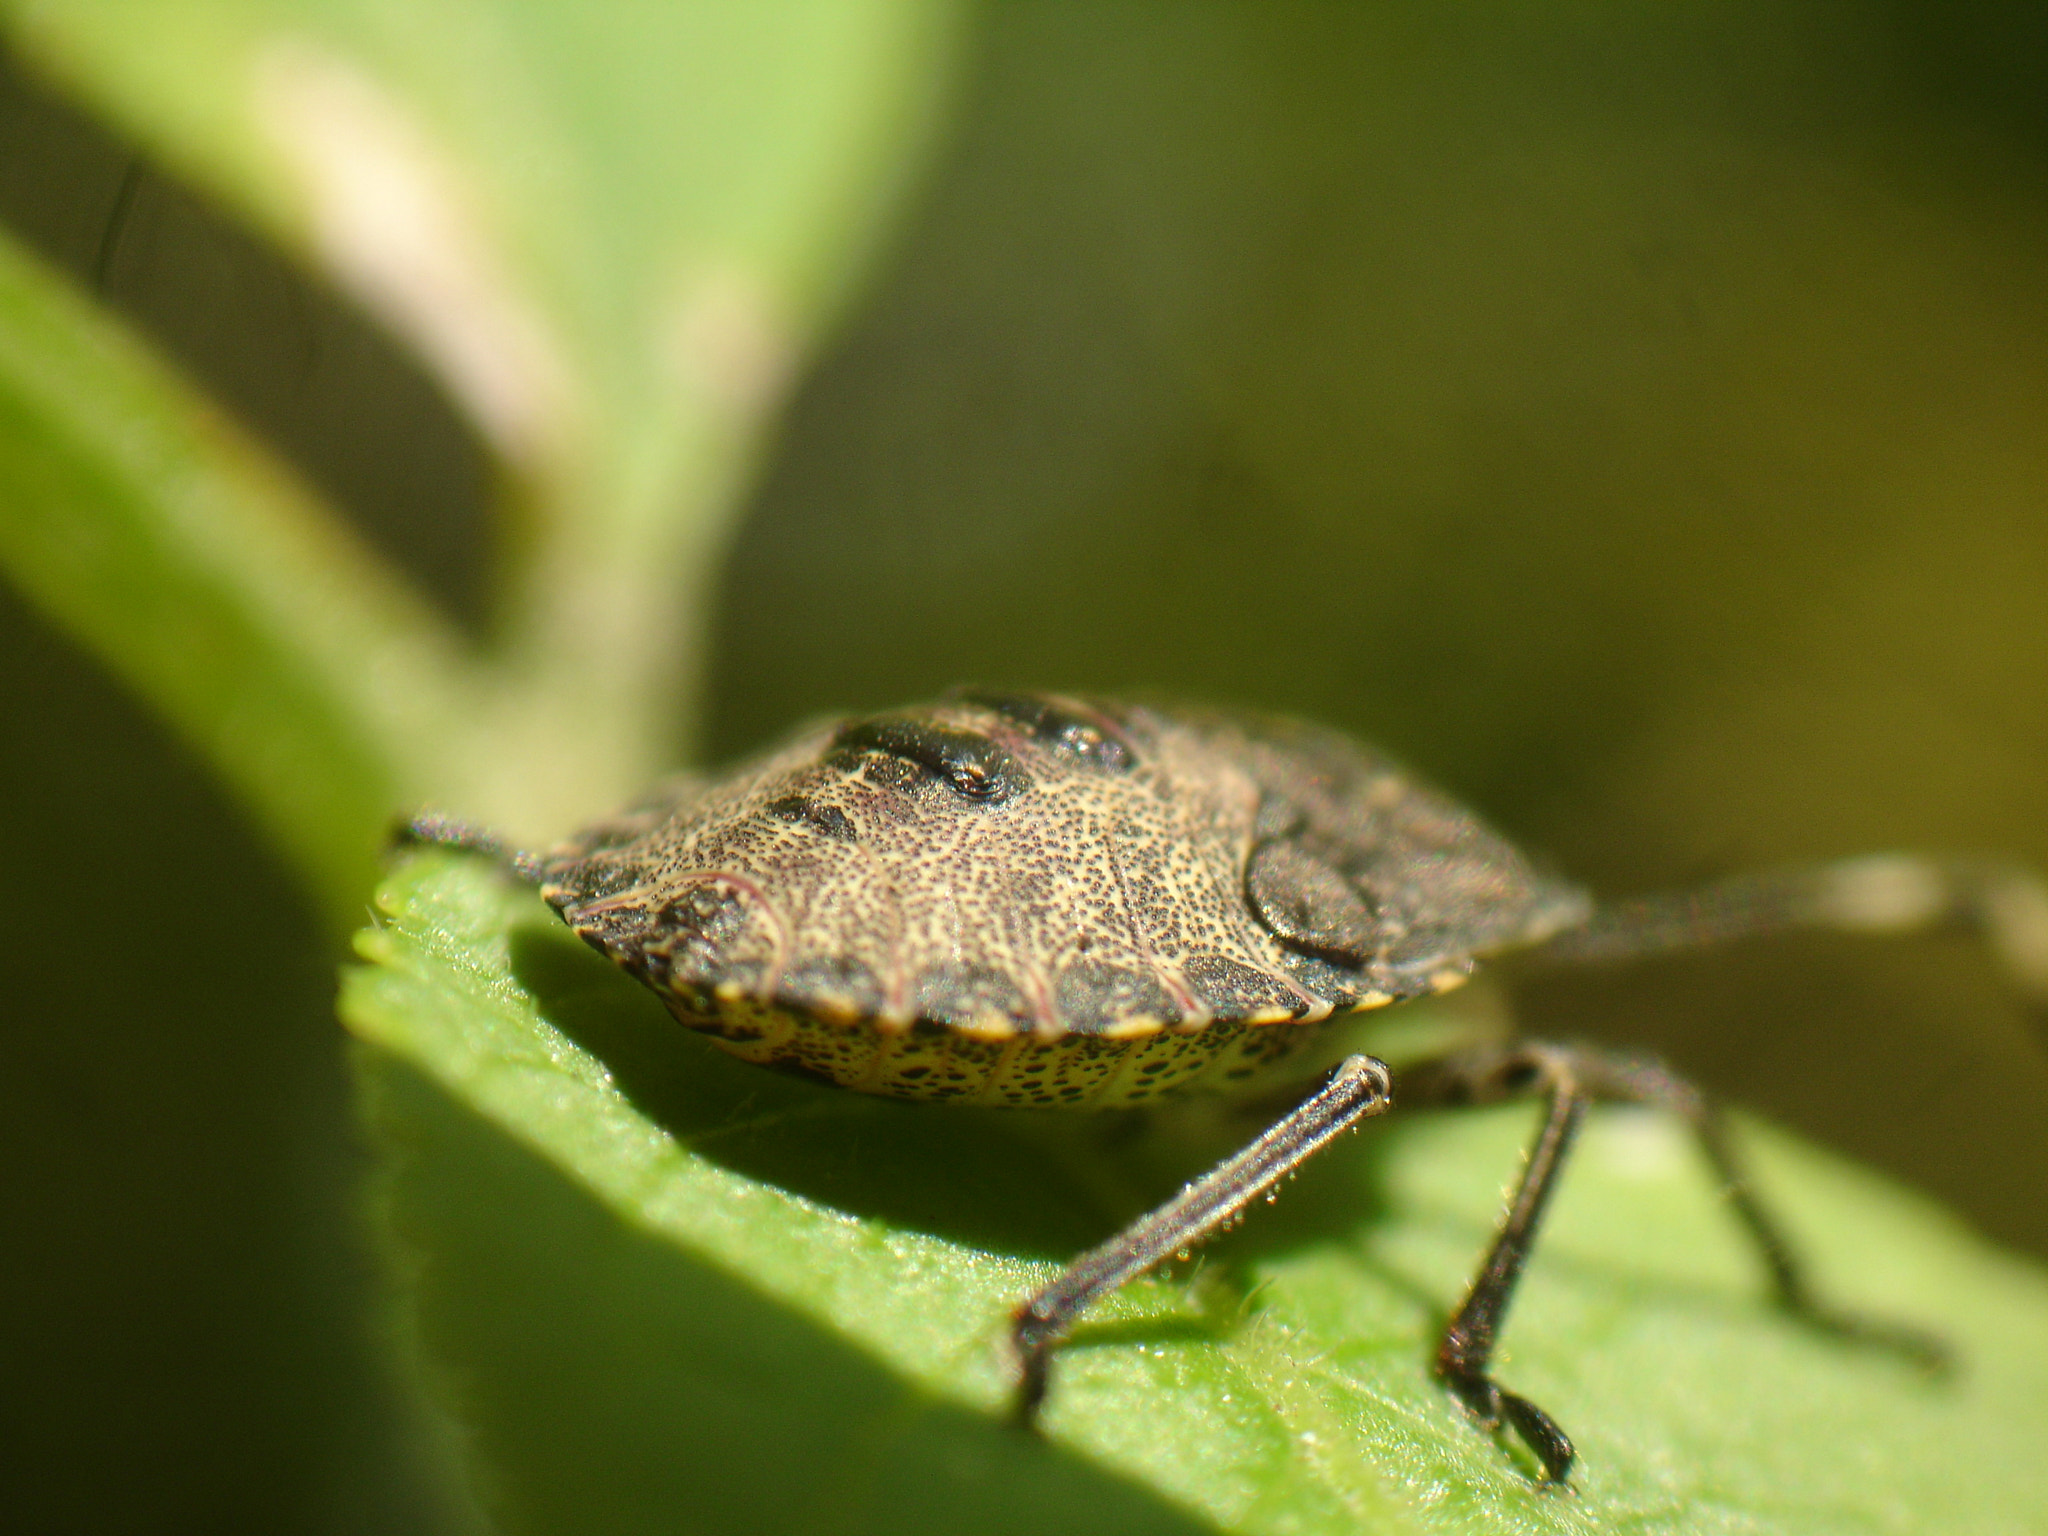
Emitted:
<point x="1885" y="893"/>
<point x="1572" y="1078"/>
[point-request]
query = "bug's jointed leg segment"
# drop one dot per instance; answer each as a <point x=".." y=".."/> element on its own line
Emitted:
<point x="1572" y="1078"/>
<point x="1879" y="893"/>
<point x="1358" y="1088"/>
<point x="1466" y="1350"/>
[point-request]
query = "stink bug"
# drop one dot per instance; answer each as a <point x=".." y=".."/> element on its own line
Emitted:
<point x="1023" y="899"/>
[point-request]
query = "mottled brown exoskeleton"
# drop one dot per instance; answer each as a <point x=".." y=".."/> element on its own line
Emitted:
<point x="1030" y="900"/>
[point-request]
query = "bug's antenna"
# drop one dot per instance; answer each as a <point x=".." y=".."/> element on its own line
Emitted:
<point x="448" y="832"/>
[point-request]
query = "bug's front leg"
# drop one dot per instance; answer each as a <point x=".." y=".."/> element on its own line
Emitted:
<point x="1359" y="1087"/>
<point x="1571" y="1078"/>
<point x="431" y="827"/>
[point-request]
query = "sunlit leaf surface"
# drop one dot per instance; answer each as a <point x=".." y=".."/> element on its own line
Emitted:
<point x="659" y="1285"/>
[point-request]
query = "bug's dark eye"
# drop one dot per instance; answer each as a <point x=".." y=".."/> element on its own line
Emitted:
<point x="1065" y="731"/>
<point x="973" y="764"/>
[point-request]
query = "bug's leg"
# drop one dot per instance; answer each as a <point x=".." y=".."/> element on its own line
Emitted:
<point x="446" y="831"/>
<point x="1573" y="1078"/>
<point x="1359" y="1087"/>
<point x="1633" y="1079"/>
<point x="1465" y="1353"/>
<point x="1879" y="893"/>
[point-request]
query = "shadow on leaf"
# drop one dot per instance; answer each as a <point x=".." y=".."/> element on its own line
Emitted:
<point x="614" y="1383"/>
<point x="1029" y="1184"/>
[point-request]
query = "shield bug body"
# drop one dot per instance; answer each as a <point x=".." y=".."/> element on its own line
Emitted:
<point x="1030" y="900"/>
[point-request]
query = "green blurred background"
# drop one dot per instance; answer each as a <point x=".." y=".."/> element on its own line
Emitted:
<point x="1637" y="418"/>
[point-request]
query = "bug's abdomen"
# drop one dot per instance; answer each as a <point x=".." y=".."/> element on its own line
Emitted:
<point x="928" y="1061"/>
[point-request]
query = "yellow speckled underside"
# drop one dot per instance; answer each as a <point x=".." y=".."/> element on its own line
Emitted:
<point x="1024" y="1071"/>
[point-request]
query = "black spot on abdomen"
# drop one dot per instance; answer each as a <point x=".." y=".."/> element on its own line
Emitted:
<point x="959" y="994"/>
<point x="688" y="945"/>
<point x="1092" y="995"/>
<point x="1234" y="990"/>
<point x="838" y="984"/>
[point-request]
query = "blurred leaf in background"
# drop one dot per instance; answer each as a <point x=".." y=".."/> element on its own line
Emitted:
<point x="610" y="234"/>
<point x="1633" y="419"/>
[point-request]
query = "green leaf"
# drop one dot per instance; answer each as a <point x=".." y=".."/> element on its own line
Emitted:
<point x="272" y="640"/>
<point x="659" y="1286"/>
<point x="614" y="230"/>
